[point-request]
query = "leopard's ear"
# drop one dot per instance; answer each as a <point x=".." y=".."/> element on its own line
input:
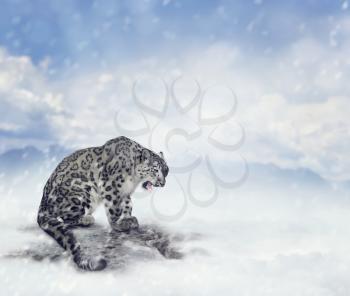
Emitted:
<point x="161" y="154"/>
<point x="146" y="155"/>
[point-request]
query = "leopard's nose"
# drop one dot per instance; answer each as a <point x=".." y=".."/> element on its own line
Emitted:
<point x="161" y="182"/>
<point x="165" y="172"/>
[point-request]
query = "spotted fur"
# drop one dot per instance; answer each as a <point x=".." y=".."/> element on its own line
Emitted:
<point x="107" y="174"/>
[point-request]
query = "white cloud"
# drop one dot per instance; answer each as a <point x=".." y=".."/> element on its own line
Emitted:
<point x="27" y="103"/>
<point x="312" y="135"/>
<point x="23" y="85"/>
<point x="293" y="105"/>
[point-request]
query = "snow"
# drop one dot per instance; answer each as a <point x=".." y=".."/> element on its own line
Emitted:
<point x="254" y="240"/>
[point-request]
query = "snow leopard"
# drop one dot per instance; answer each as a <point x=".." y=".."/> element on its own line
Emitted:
<point x="106" y="174"/>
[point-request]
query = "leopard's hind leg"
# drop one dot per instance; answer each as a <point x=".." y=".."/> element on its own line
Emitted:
<point x="64" y="236"/>
<point x="83" y="221"/>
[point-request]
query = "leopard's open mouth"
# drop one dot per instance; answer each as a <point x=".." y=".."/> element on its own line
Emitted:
<point x="147" y="185"/>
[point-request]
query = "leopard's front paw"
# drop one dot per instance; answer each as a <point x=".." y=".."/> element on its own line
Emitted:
<point x="126" y="224"/>
<point x="134" y="222"/>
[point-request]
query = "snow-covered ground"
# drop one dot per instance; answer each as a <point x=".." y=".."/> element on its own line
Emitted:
<point x="255" y="240"/>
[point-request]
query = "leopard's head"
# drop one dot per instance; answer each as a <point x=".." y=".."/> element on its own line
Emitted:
<point x="152" y="169"/>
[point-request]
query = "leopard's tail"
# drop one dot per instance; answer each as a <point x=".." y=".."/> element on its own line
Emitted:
<point x="64" y="236"/>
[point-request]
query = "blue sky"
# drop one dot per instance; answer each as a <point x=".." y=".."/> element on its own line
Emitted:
<point x="67" y="67"/>
<point x="90" y="31"/>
